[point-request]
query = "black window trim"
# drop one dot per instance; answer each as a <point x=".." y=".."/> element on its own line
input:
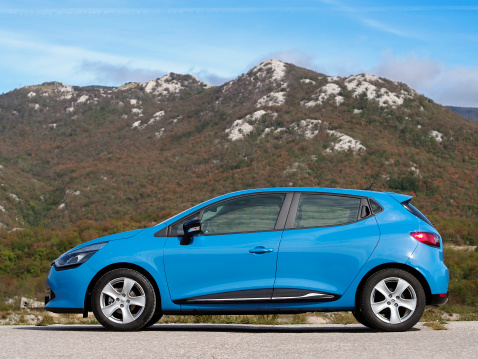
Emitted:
<point x="295" y="206"/>
<point x="286" y="219"/>
<point x="419" y="215"/>
<point x="370" y="200"/>
<point x="279" y="226"/>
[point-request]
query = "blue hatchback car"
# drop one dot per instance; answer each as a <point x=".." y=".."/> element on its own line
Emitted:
<point x="275" y="250"/>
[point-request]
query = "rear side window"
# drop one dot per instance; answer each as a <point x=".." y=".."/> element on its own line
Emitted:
<point x="324" y="210"/>
<point x="375" y="207"/>
<point x="412" y="209"/>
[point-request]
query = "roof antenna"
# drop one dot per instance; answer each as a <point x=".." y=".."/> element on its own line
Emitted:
<point x="369" y="188"/>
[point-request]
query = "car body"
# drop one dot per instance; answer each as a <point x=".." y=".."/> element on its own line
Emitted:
<point x="274" y="250"/>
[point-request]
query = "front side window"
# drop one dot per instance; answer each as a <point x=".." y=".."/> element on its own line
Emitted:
<point x="256" y="213"/>
<point x="326" y="210"/>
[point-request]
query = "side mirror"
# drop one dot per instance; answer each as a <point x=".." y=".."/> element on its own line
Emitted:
<point x="191" y="228"/>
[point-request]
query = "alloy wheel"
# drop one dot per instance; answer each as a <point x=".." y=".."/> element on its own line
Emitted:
<point x="393" y="300"/>
<point x="122" y="300"/>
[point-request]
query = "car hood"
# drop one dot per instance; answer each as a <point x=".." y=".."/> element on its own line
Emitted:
<point x="111" y="237"/>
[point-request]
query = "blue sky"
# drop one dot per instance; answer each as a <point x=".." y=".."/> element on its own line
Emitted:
<point x="430" y="45"/>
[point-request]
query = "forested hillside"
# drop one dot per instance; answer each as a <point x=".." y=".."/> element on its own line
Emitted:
<point x="79" y="162"/>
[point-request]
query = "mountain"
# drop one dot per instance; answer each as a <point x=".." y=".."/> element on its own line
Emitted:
<point x="70" y="153"/>
<point x="470" y="113"/>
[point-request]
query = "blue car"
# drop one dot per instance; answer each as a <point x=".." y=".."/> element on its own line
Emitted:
<point x="275" y="250"/>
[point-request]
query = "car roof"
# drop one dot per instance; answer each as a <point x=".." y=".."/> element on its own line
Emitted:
<point x="354" y="192"/>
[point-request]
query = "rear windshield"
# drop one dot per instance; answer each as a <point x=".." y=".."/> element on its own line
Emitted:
<point x="416" y="212"/>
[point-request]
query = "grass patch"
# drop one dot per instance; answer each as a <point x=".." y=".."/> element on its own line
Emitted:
<point x="223" y="319"/>
<point x="459" y="309"/>
<point x="436" y="325"/>
<point x="46" y="320"/>
<point x="432" y="314"/>
<point x="264" y="319"/>
<point x="340" y="318"/>
<point x="468" y="317"/>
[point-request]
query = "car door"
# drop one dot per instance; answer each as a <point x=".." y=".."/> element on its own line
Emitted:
<point x="235" y="258"/>
<point x="326" y="241"/>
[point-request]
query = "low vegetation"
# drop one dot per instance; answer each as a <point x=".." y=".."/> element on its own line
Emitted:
<point x="25" y="258"/>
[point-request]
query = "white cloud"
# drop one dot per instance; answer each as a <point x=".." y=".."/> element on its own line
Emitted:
<point x="357" y="15"/>
<point x="147" y="11"/>
<point x="111" y="74"/>
<point x="411" y="70"/>
<point x="44" y="61"/>
<point x="456" y="86"/>
<point x="209" y="77"/>
<point x="382" y="27"/>
<point x="140" y="11"/>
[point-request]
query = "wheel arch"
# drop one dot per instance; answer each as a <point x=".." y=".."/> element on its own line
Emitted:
<point x="411" y="270"/>
<point x="125" y="265"/>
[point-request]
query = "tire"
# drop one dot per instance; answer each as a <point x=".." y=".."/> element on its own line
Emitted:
<point x="361" y="318"/>
<point x="392" y="300"/>
<point x="121" y="308"/>
<point x="154" y="319"/>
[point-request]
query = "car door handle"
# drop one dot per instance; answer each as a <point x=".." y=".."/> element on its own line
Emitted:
<point x="260" y="250"/>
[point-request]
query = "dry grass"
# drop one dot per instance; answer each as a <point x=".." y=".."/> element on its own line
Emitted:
<point x="432" y="317"/>
<point x="438" y="325"/>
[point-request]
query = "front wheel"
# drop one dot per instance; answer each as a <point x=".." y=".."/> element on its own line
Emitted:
<point x="123" y="300"/>
<point x="154" y="319"/>
<point x="392" y="300"/>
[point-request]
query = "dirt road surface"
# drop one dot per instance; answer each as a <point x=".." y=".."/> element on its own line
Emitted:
<point x="238" y="341"/>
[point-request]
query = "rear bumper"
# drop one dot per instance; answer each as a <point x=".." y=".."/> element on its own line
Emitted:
<point x="439" y="299"/>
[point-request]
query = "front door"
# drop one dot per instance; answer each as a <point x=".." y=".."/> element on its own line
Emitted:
<point x="234" y="260"/>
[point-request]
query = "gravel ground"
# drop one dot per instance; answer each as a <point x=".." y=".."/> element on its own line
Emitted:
<point x="238" y="341"/>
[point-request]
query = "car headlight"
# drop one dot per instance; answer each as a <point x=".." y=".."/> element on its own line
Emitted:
<point x="75" y="258"/>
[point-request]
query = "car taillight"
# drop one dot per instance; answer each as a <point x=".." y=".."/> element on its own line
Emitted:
<point x="430" y="239"/>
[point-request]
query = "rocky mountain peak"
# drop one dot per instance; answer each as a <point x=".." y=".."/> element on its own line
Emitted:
<point x="273" y="70"/>
<point x="172" y="84"/>
<point x="50" y="88"/>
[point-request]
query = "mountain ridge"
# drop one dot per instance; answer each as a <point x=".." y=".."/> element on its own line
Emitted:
<point x="70" y="153"/>
<point x="470" y="113"/>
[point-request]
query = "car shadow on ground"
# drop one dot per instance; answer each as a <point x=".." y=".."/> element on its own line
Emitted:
<point x="231" y="328"/>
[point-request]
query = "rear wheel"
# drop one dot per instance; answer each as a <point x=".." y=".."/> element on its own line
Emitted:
<point x="392" y="300"/>
<point x="360" y="317"/>
<point x="123" y="300"/>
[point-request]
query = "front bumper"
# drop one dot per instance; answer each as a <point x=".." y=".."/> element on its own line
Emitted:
<point x="50" y="296"/>
<point x="67" y="289"/>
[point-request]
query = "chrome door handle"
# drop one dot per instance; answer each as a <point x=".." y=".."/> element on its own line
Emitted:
<point x="260" y="250"/>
